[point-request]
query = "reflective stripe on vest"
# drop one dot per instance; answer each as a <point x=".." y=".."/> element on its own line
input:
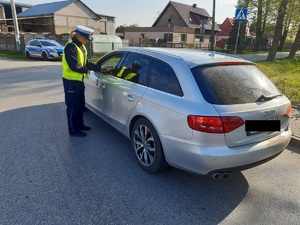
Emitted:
<point x="81" y="60"/>
<point x="128" y="76"/>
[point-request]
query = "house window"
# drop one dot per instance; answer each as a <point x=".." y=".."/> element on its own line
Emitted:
<point x="201" y="38"/>
<point x="183" y="37"/>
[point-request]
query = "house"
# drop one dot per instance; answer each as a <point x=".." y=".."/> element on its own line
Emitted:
<point x="57" y="17"/>
<point x="224" y="34"/>
<point x="107" y="24"/>
<point x="177" y="24"/>
<point x="62" y="17"/>
<point x="226" y="28"/>
<point x="6" y="17"/>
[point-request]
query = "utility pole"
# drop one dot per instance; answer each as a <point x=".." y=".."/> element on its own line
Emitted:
<point x="16" y="27"/>
<point x="169" y="25"/>
<point x="212" y="38"/>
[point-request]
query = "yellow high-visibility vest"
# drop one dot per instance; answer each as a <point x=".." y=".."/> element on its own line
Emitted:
<point x="81" y="59"/>
<point x="128" y="76"/>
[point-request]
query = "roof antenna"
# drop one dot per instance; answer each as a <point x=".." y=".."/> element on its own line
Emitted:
<point x="212" y="53"/>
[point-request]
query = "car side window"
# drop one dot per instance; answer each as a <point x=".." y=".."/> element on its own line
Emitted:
<point x="38" y="43"/>
<point x="163" y="78"/>
<point x="32" y="43"/>
<point x="143" y="62"/>
<point x="109" y="64"/>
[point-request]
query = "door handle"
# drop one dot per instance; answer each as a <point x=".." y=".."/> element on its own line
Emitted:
<point x="129" y="98"/>
<point x="102" y="85"/>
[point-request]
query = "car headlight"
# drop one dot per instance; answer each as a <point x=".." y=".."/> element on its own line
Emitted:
<point x="52" y="50"/>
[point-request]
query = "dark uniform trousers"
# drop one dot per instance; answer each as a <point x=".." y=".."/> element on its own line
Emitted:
<point x="74" y="99"/>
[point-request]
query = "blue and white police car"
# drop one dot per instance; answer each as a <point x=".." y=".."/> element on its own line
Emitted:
<point x="44" y="49"/>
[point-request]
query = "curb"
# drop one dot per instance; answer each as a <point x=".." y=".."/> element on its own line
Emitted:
<point x="295" y="142"/>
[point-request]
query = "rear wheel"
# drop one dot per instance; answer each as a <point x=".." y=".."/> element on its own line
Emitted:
<point x="147" y="146"/>
<point x="45" y="56"/>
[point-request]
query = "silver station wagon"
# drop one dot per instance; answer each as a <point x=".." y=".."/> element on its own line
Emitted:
<point x="203" y="112"/>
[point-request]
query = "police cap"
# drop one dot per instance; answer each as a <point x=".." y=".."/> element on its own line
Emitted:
<point x="84" y="31"/>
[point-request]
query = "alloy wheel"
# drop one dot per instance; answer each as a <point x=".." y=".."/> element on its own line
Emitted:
<point x="144" y="145"/>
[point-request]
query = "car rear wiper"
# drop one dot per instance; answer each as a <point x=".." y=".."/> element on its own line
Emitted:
<point x="263" y="98"/>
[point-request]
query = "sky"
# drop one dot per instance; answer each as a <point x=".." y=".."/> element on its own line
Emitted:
<point x="144" y="12"/>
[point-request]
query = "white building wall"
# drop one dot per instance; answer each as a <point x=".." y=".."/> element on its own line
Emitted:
<point x="133" y="37"/>
<point x="69" y="17"/>
<point x="190" y="39"/>
<point x="108" y="27"/>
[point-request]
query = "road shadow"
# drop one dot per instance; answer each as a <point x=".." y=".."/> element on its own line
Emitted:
<point x="99" y="176"/>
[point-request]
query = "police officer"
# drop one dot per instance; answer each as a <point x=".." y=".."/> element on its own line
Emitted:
<point x="130" y="73"/>
<point x="75" y="68"/>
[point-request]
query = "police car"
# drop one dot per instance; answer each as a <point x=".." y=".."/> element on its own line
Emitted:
<point x="44" y="48"/>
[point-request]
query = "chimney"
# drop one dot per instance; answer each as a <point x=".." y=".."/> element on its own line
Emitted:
<point x="195" y="6"/>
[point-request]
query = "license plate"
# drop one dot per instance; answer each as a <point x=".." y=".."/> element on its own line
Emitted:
<point x="249" y="133"/>
<point x="255" y="126"/>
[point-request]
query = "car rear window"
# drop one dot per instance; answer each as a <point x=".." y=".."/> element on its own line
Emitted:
<point x="233" y="84"/>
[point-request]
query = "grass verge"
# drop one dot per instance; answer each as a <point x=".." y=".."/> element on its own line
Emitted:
<point x="12" y="55"/>
<point x="285" y="73"/>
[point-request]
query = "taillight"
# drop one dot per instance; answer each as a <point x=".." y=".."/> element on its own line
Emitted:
<point x="289" y="111"/>
<point x="214" y="124"/>
<point x="231" y="63"/>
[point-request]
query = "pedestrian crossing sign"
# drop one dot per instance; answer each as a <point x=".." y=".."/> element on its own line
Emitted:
<point x="241" y="15"/>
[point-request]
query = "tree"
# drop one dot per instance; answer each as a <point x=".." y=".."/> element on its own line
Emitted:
<point x="232" y="36"/>
<point x="262" y="10"/>
<point x="296" y="18"/>
<point x="278" y="29"/>
<point x="292" y="20"/>
<point x="121" y="28"/>
<point x="295" y="45"/>
<point x="259" y="31"/>
<point x="286" y="29"/>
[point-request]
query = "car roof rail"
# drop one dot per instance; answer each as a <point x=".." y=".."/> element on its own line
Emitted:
<point x="159" y="51"/>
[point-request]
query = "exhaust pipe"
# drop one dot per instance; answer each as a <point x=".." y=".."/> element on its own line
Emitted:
<point x="226" y="175"/>
<point x="220" y="175"/>
<point x="217" y="176"/>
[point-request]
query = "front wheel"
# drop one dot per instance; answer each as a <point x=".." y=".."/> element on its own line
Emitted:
<point x="147" y="146"/>
<point x="28" y="56"/>
<point x="45" y="56"/>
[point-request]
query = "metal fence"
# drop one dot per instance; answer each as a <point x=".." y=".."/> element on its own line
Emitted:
<point x="8" y="40"/>
<point x="8" y="43"/>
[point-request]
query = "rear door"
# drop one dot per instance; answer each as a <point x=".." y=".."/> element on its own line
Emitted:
<point x="245" y="92"/>
<point x="33" y="48"/>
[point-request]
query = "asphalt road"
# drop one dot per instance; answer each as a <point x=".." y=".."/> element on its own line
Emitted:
<point x="47" y="177"/>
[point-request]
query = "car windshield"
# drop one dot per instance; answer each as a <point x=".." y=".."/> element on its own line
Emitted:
<point x="233" y="84"/>
<point x="49" y="43"/>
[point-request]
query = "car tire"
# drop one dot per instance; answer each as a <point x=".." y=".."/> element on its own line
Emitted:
<point x="28" y="56"/>
<point x="147" y="146"/>
<point x="45" y="56"/>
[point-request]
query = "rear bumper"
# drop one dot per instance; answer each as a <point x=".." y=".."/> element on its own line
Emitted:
<point x="244" y="167"/>
<point x="203" y="159"/>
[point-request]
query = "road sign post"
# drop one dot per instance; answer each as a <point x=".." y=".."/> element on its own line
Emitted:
<point x="240" y="16"/>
